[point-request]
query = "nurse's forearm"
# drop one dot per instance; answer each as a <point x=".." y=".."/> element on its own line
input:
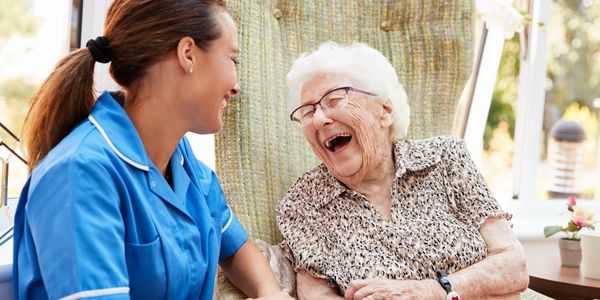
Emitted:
<point x="249" y="270"/>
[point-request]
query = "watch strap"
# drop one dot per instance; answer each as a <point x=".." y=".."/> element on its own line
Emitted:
<point x="442" y="278"/>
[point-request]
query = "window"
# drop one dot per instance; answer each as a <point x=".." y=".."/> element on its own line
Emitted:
<point x="569" y="161"/>
<point x="550" y="74"/>
<point x="34" y="35"/>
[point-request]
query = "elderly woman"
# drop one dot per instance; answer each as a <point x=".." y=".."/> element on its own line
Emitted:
<point x="384" y="217"/>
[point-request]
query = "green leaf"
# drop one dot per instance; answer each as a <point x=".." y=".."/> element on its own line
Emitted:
<point x="551" y="230"/>
<point x="572" y="227"/>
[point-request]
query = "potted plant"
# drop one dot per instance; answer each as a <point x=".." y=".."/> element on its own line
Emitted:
<point x="570" y="249"/>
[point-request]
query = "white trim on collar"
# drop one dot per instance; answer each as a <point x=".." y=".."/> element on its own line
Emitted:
<point x="112" y="146"/>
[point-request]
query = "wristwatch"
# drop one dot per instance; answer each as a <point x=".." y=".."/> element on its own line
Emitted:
<point x="442" y="278"/>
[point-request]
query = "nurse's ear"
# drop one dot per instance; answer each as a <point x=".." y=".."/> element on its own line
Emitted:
<point x="185" y="54"/>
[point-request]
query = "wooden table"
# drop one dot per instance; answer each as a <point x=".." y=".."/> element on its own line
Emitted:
<point x="548" y="277"/>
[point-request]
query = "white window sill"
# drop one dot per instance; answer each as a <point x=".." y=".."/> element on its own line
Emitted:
<point x="530" y="217"/>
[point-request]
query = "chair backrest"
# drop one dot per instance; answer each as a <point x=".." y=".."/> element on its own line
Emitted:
<point x="260" y="153"/>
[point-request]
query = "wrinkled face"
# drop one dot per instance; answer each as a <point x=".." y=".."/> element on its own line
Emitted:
<point x="215" y="78"/>
<point x="347" y="138"/>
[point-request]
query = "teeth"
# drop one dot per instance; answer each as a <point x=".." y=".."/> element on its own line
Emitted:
<point x="328" y="142"/>
<point x="224" y="104"/>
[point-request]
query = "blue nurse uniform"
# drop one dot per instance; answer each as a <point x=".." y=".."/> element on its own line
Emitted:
<point x="96" y="219"/>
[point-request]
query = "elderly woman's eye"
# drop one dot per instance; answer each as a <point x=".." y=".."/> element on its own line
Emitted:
<point x="334" y="101"/>
<point x="308" y="113"/>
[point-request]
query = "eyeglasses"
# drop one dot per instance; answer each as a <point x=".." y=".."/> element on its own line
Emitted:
<point x="329" y="102"/>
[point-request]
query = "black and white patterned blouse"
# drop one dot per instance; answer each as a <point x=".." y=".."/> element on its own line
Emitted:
<point x="439" y="201"/>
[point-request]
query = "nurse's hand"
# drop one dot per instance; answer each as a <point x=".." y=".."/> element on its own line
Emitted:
<point x="276" y="296"/>
<point x="249" y="270"/>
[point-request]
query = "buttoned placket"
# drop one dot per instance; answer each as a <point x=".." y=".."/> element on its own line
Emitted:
<point x="174" y="197"/>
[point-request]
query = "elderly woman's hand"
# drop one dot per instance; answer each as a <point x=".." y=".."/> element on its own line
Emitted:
<point x="387" y="289"/>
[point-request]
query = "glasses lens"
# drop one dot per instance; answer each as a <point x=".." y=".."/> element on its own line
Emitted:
<point x="303" y="113"/>
<point x="334" y="99"/>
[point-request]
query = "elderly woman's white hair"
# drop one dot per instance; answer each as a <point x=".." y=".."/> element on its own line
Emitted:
<point x="360" y="62"/>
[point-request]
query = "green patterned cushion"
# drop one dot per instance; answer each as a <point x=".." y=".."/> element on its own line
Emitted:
<point x="530" y="294"/>
<point x="260" y="153"/>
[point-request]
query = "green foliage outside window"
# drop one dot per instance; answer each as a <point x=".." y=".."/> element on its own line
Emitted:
<point x="16" y="21"/>
<point x="14" y="18"/>
<point x="573" y="66"/>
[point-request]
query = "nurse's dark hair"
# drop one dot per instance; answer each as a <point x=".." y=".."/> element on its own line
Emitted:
<point x="139" y="33"/>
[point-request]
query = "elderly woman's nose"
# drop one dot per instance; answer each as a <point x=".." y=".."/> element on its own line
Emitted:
<point x="320" y="118"/>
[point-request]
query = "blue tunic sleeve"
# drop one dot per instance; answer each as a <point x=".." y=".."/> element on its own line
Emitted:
<point x="233" y="234"/>
<point x="73" y="228"/>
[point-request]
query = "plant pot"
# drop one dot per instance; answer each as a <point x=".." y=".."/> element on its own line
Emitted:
<point x="570" y="253"/>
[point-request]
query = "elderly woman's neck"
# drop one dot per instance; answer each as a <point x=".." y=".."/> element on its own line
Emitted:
<point x="377" y="183"/>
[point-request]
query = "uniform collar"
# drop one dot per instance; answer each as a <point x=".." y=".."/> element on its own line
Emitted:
<point x="410" y="155"/>
<point x="113" y="123"/>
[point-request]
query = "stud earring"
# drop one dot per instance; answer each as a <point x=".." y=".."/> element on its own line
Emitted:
<point x="190" y="69"/>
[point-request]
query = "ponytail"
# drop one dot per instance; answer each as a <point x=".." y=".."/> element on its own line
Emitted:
<point x="65" y="98"/>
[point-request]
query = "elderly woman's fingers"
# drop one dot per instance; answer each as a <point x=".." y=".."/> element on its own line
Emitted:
<point x="384" y="289"/>
<point x="366" y="289"/>
<point x="354" y="286"/>
<point x="367" y="292"/>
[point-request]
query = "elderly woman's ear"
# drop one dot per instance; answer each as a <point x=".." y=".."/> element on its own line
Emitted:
<point x="387" y="116"/>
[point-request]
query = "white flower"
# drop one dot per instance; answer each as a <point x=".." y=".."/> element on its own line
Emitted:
<point x="500" y="13"/>
<point x="582" y="216"/>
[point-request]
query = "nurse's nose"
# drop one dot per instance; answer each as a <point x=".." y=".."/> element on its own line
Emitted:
<point x="235" y="90"/>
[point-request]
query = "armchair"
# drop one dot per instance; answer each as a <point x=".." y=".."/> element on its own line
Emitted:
<point x="260" y="154"/>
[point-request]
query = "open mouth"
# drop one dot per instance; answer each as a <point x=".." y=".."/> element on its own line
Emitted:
<point x="226" y="100"/>
<point x="338" y="142"/>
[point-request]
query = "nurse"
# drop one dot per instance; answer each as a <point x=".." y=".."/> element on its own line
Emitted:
<point x="117" y="206"/>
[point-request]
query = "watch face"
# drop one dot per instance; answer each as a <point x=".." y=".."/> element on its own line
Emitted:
<point x="453" y="296"/>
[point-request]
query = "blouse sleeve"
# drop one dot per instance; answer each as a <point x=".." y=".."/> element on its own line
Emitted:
<point x="301" y="234"/>
<point x="471" y="201"/>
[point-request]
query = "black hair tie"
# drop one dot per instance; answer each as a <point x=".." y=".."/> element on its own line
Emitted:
<point x="100" y="49"/>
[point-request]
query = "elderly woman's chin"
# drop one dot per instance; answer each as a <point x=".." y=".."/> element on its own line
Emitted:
<point x="343" y="162"/>
<point x="346" y="168"/>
